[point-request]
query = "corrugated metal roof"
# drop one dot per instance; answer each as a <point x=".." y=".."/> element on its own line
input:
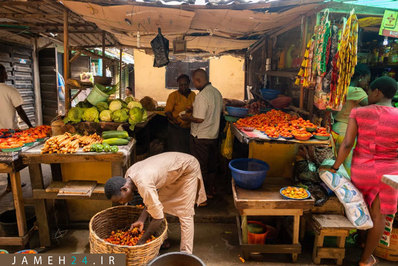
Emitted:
<point x="387" y="4"/>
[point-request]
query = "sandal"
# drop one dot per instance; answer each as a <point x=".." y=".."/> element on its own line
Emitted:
<point x="203" y="204"/>
<point x="166" y="244"/>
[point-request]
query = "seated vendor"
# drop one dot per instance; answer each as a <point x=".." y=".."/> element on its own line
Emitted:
<point x="177" y="102"/>
<point x="170" y="183"/>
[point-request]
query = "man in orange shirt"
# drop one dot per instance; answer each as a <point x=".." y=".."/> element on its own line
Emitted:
<point x="178" y="102"/>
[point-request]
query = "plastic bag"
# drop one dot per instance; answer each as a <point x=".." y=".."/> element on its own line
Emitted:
<point x="227" y="143"/>
<point x="160" y="47"/>
<point x="355" y="207"/>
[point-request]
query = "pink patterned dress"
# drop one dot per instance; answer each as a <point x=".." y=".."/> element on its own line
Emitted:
<point x="376" y="154"/>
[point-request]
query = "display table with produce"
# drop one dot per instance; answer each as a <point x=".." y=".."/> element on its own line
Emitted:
<point x="83" y="165"/>
<point x="274" y="137"/>
<point x="268" y="201"/>
<point x="12" y="143"/>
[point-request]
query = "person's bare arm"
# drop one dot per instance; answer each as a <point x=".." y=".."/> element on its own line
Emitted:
<point x="152" y="228"/>
<point x="192" y="119"/>
<point x="172" y="118"/>
<point x="346" y="146"/>
<point x="141" y="220"/>
<point x="23" y="115"/>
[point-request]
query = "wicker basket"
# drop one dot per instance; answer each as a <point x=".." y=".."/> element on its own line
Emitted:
<point x="120" y="217"/>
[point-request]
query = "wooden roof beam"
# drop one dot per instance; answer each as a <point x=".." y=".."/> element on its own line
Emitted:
<point x="30" y="16"/>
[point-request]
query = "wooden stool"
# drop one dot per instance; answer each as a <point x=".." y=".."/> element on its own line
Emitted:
<point x="330" y="225"/>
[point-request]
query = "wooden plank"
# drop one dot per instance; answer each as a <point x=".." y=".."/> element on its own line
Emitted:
<point x="271" y="212"/>
<point x="332" y="206"/>
<point x="391" y="180"/>
<point x="332" y="222"/>
<point x="330" y="253"/>
<point x="42" y="194"/>
<point x="66" y="60"/>
<point x="267" y="197"/>
<point x="18" y="202"/>
<point x="55" y="186"/>
<point x="78" y="188"/>
<point x="17" y="240"/>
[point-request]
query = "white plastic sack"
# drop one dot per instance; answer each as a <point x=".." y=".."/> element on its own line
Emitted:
<point x="333" y="180"/>
<point x="355" y="207"/>
<point x="358" y="214"/>
<point x="348" y="193"/>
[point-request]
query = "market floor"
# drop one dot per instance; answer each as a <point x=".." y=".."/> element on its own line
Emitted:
<point x="216" y="244"/>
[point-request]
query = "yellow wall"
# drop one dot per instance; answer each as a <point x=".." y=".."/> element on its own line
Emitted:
<point x="226" y="74"/>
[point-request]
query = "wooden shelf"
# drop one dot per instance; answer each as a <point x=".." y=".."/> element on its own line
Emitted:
<point x="282" y="74"/>
<point x="51" y="192"/>
<point x="17" y="240"/>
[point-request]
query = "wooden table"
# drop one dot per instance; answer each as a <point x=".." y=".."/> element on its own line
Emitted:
<point x="33" y="158"/>
<point x="267" y="201"/>
<point x="391" y="180"/>
<point x="11" y="163"/>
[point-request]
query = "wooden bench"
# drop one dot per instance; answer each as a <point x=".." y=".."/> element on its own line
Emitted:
<point x="330" y="226"/>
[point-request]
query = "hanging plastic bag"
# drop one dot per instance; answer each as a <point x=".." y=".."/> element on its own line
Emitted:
<point x="160" y="48"/>
<point x="227" y="143"/>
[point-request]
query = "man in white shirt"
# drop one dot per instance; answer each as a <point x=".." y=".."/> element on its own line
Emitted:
<point x="10" y="101"/>
<point x="205" y="126"/>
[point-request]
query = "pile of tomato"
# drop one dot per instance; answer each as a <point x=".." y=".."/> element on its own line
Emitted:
<point x="276" y="123"/>
<point x="14" y="139"/>
<point x="127" y="238"/>
<point x="322" y="132"/>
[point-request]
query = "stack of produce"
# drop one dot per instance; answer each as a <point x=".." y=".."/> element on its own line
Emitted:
<point x="127" y="238"/>
<point x="117" y="110"/>
<point x="10" y="139"/>
<point x="111" y="139"/>
<point x="68" y="143"/>
<point x="276" y="123"/>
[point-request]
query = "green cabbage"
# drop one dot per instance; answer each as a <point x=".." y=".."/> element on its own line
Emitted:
<point x="101" y="106"/>
<point x="74" y="115"/>
<point x="133" y="104"/>
<point x="129" y="99"/>
<point x="106" y="116"/>
<point x="91" y="115"/>
<point x="135" y="115"/>
<point x="120" y="116"/>
<point x="115" y="105"/>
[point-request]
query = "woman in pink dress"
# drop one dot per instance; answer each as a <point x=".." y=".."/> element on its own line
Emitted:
<point x="376" y="154"/>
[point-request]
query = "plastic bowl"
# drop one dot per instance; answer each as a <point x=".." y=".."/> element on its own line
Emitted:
<point x="286" y="197"/>
<point x="269" y="94"/>
<point x="321" y="137"/>
<point x="26" y="250"/>
<point x="3" y="251"/>
<point x="237" y="111"/>
<point x="249" y="173"/>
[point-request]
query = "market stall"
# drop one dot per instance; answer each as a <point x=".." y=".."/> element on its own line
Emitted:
<point x="82" y="176"/>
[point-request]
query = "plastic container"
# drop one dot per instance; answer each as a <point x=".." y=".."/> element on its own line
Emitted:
<point x="177" y="259"/>
<point x="258" y="239"/>
<point x="249" y="173"/>
<point x="97" y="96"/>
<point x="231" y="119"/>
<point x="27" y="251"/>
<point x="3" y="251"/>
<point x="269" y="94"/>
<point x="237" y="111"/>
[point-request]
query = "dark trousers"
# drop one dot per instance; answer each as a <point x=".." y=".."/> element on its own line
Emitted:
<point x="205" y="151"/>
<point x="178" y="138"/>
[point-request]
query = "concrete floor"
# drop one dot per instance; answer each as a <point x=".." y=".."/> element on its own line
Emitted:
<point x="216" y="238"/>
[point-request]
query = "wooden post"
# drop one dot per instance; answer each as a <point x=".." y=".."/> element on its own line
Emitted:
<point x="66" y="61"/>
<point x="120" y="73"/>
<point x="301" y="105"/>
<point x="36" y="80"/>
<point x="103" y="55"/>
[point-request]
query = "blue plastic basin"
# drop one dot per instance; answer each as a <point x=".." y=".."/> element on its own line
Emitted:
<point x="269" y="94"/>
<point x="249" y="173"/>
<point x="237" y="111"/>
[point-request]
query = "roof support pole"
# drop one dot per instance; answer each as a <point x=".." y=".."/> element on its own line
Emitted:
<point x="103" y="55"/>
<point x="120" y="73"/>
<point x="36" y="80"/>
<point x="66" y="61"/>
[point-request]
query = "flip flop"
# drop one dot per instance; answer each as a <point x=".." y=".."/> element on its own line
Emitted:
<point x="203" y="204"/>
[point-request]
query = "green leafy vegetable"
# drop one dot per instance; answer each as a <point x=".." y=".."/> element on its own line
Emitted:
<point x="101" y="106"/>
<point x="91" y="115"/>
<point x="133" y="104"/>
<point x="135" y="115"/>
<point x="74" y="115"/>
<point x="115" y="105"/>
<point x="129" y="99"/>
<point x="106" y="116"/>
<point x="120" y="116"/>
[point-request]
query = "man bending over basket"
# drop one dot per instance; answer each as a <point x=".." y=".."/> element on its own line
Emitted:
<point x="170" y="183"/>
